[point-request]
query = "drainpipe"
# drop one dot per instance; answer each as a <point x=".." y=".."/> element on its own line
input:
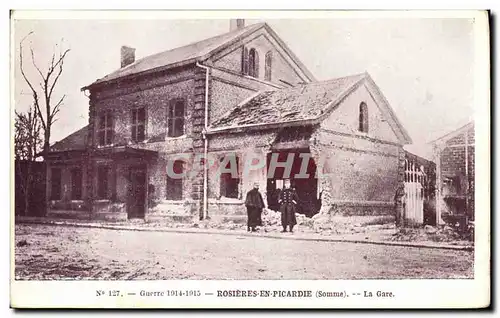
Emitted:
<point x="467" y="175"/>
<point x="205" y="166"/>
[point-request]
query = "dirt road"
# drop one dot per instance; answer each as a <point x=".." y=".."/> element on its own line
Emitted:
<point x="59" y="252"/>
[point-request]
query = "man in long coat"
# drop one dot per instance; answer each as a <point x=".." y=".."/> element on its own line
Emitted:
<point x="254" y="204"/>
<point x="288" y="200"/>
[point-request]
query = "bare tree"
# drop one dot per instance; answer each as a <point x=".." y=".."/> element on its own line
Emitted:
<point x="45" y="108"/>
<point x="27" y="144"/>
<point x="27" y="135"/>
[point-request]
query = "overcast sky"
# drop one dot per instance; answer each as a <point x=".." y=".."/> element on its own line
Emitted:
<point x="423" y="66"/>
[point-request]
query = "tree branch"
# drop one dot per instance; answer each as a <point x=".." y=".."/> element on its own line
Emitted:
<point x="35" y="94"/>
<point x="36" y="66"/>
<point x="44" y="112"/>
<point x="60" y="62"/>
<point x="56" y="108"/>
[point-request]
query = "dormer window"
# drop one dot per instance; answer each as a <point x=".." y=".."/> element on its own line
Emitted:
<point x="250" y="62"/>
<point x="363" y="118"/>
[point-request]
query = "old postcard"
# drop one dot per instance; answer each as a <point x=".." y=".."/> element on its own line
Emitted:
<point x="260" y="159"/>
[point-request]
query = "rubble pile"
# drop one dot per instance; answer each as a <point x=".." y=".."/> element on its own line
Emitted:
<point x="430" y="233"/>
<point x="271" y="217"/>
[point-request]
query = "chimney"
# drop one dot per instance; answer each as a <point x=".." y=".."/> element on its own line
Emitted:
<point x="127" y="55"/>
<point x="235" y="24"/>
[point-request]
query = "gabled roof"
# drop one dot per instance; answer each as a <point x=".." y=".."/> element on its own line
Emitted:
<point x="75" y="141"/>
<point x="454" y="133"/>
<point x="191" y="53"/>
<point x="310" y="103"/>
<point x="299" y="103"/>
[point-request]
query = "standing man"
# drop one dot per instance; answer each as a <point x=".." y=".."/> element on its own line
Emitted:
<point x="254" y="204"/>
<point x="288" y="201"/>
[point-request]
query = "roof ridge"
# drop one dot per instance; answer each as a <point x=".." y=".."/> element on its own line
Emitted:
<point x="450" y="134"/>
<point x="192" y="43"/>
<point x="335" y="79"/>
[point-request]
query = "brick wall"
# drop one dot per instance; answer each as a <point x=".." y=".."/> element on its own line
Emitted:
<point x="363" y="169"/>
<point x="453" y="167"/>
<point x="156" y="101"/>
<point x="356" y="175"/>
<point x="262" y="42"/>
<point x="452" y="156"/>
<point x="345" y="118"/>
<point x="230" y="89"/>
<point x="226" y="96"/>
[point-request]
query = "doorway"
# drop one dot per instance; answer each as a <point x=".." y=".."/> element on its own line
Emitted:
<point x="307" y="188"/>
<point x="137" y="192"/>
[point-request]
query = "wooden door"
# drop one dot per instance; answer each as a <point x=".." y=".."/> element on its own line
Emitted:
<point x="137" y="192"/>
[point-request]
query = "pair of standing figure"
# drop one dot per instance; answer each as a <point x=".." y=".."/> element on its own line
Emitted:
<point x="287" y="200"/>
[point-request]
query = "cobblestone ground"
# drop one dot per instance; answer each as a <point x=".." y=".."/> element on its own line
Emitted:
<point x="60" y="252"/>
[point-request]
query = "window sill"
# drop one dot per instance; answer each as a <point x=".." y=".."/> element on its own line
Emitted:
<point x="175" y="138"/>
<point x="174" y="202"/>
<point x="105" y="146"/>
<point x="225" y="200"/>
<point x="132" y="142"/>
<point x="102" y="201"/>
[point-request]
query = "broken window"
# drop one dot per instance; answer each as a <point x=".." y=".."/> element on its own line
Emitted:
<point x="105" y="129"/>
<point x="102" y="182"/>
<point x="55" y="192"/>
<point x="76" y="184"/>
<point x="229" y="182"/>
<point x="174" y="182"/>
<point x="175" y="118"/>
<point x="138" y="124"/>
<point x="269" y="62"/>
<point x="363" y="118"/>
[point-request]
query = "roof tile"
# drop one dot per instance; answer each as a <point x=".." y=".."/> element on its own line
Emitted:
<point x="302" y="102"/>
<point x="75" y="141"/>
<point x="180" y="54"/>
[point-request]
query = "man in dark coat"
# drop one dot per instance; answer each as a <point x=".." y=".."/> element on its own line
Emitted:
<point x="254" y="204"/>
<point x="288" y="201"/>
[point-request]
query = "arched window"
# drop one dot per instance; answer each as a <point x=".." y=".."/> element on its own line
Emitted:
<point x="253" y="63"/>
<point x="363" y="118"/>
<point x="269" y="62"/>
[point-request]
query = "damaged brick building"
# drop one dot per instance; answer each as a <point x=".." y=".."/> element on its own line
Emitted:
<point x="242" y="94"/>
<point x="455" y="174"/>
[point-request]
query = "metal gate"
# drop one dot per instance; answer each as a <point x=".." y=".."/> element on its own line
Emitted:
<point x="415" y="178"/>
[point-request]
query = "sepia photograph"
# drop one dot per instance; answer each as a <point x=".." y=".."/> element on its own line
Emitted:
<point x="248" y="146"/>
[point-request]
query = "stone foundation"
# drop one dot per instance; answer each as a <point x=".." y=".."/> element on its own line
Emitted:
<point x="227" y="210"/>
<point x="68" y="214"/>
<point x="172" y="212"/>
<point x="366" y="208"/>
